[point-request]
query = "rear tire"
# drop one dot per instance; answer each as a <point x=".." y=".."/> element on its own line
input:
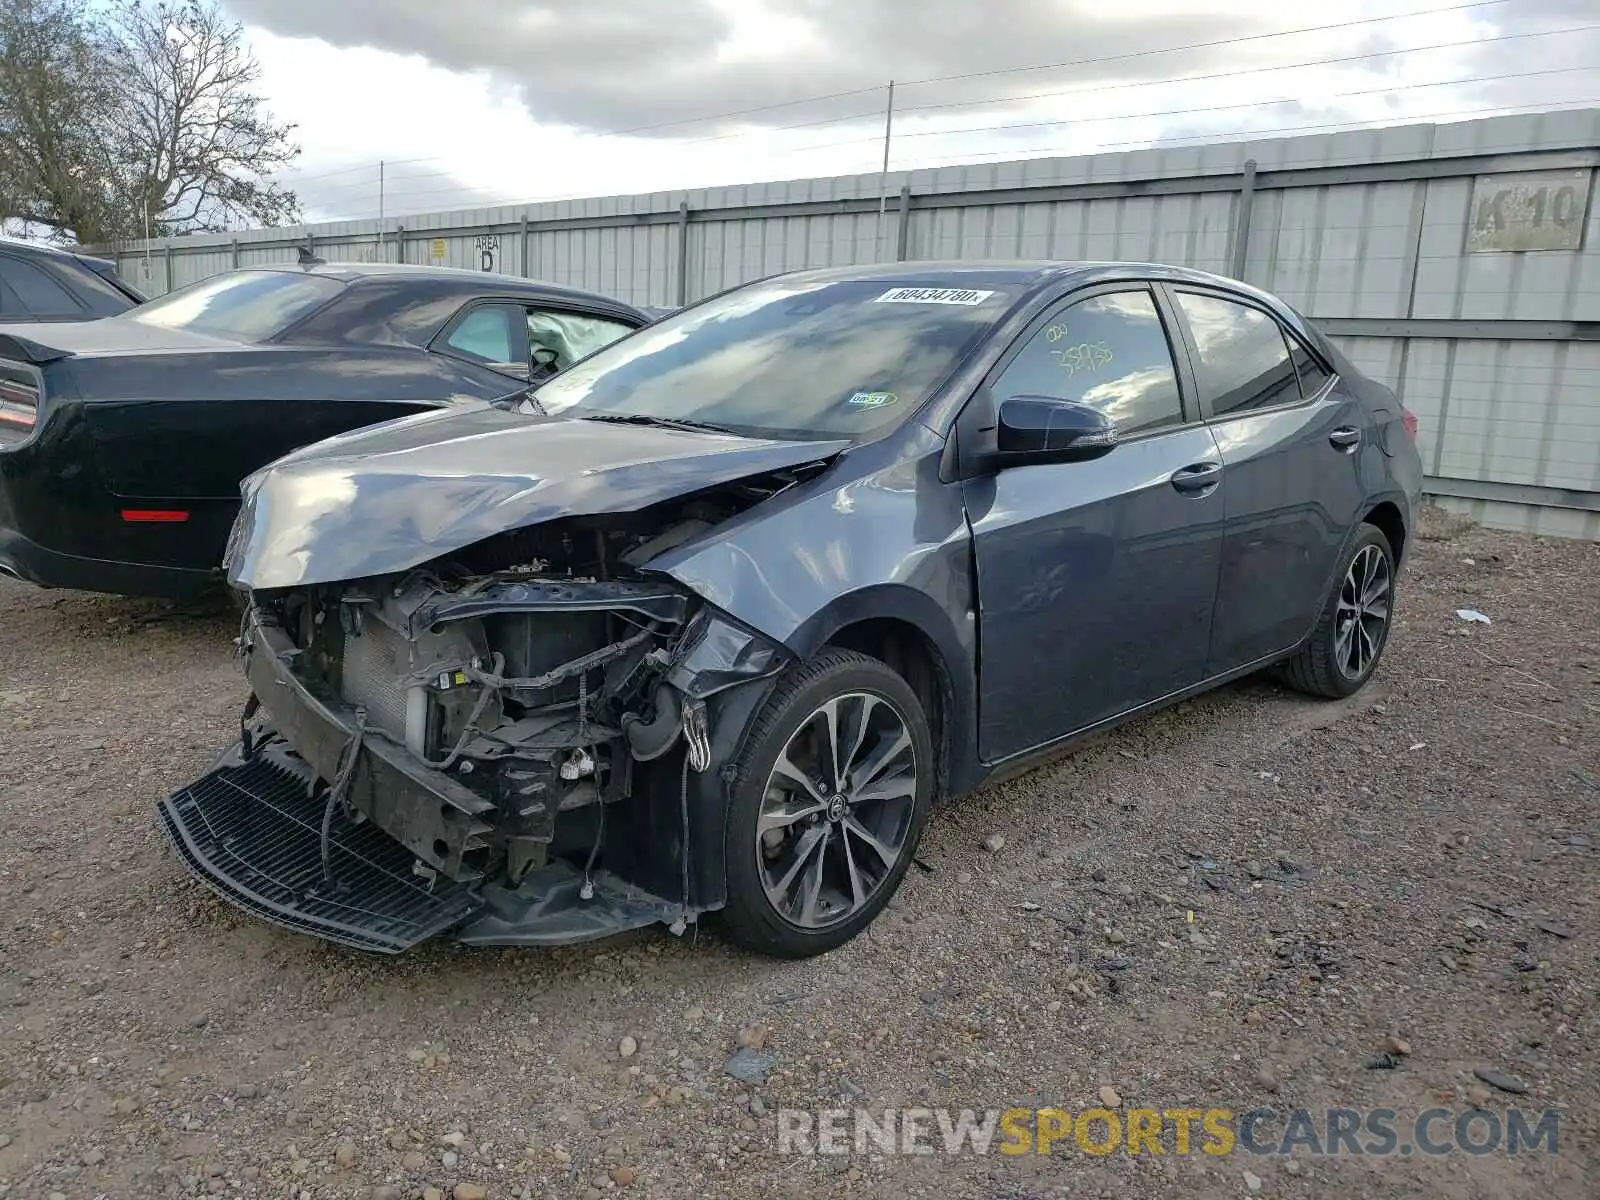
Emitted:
<point x="815" y="846"/>
<point x="1353" y="627"/>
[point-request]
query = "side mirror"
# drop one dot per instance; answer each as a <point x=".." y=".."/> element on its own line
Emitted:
<point x="1041" y="429"/>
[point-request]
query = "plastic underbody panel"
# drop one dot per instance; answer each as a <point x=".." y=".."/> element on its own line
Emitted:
<point x="252" y="832"/>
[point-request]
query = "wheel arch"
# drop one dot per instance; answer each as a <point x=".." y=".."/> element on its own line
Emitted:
<point x="1391" y="522"/>
<point x="907" y="630"/>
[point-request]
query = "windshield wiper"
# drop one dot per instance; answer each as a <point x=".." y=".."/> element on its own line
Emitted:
<point x="663" y="422"/>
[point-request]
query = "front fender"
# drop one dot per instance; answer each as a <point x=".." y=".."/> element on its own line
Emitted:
<point x="886" y="540"/>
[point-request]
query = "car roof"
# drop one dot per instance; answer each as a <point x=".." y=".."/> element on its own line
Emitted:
<point x="24" y="247"/>
<point x="358" y="272"/>
<point x="1035" y="276"/>
<point x="1001" y="272"/>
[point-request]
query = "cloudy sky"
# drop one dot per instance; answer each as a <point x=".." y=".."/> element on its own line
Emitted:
<point x="473" y="102"/>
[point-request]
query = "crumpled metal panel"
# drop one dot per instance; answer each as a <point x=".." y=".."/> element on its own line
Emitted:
<point x="400" y="494"/>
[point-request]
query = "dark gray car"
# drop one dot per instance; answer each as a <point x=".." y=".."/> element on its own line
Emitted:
<point x="712" y="620"/>
<point x="39" y="282"/>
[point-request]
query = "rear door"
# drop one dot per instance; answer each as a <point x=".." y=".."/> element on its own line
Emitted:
<point x="1291" y="436"/>
<point x="1095" y="579"/>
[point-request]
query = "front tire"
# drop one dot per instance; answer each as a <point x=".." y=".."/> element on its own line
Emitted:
<point x="834" y="787"/>
<point x="1353" y="627"/>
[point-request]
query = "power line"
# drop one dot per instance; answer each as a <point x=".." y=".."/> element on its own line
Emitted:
<point x="1006" y="127"/>
<point x="1096" y="61"/>
<point x="1252" y="134"/>
<point x="1096" y="89"/>
<point x="370" y="186"/>
<point x="1179" y="112"/>
<point x="1212" y="136"/>
<point x="1081" y="62"/>
<point x="1256" y="37"/>
<point x="1319" y="62"/>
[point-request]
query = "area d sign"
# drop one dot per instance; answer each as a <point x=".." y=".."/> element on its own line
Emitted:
<point x="1542" y="210"/>
<point x="488" y="248"/>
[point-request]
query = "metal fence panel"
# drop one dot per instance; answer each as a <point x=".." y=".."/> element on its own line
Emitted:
<point x="1367" y="230"/>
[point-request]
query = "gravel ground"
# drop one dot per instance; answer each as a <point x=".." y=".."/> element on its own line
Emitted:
<point x="1417" y="863"/>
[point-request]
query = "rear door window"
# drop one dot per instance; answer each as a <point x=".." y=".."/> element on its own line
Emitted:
<point x="1244" y="360"/>
<point x="35" y="291"/>
<point x="101" y="295"/>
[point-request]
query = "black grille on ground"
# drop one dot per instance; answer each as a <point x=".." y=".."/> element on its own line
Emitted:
<point x="252" y="832"/>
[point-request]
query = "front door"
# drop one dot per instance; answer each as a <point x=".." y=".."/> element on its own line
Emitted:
<point x="1292" y="440"/>
<point x="1096" y="580"/>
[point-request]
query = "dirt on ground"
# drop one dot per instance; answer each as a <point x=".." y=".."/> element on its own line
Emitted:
<point x="1250" y="901"/>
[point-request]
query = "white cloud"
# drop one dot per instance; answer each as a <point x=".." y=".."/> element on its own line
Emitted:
<point x="462" y="121"/>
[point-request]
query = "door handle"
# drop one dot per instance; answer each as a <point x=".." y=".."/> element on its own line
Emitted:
<point x="1197" y="479"/>
<point x="1346" y="437"/>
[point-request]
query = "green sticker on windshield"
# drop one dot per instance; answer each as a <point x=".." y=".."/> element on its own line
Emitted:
<point x="872" y="400"/>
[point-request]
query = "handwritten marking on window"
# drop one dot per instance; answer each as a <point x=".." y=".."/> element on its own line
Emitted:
<point x="1056" y="332"/>
<point x="1085" y="356"/>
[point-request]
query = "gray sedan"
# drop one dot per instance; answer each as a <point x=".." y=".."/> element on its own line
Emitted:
<point x="710" y="620"/>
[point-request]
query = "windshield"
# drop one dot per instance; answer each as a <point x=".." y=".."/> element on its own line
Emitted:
<point x="786" y="358"/>
<point x="249" y="305"/>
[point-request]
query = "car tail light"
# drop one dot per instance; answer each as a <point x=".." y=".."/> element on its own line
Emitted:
<point x="1409" y="420"/>
<point x="154" y="516"/>
<point x="19" y="408"/>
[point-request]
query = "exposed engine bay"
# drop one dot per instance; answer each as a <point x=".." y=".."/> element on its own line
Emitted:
<point x="517" y="723"/>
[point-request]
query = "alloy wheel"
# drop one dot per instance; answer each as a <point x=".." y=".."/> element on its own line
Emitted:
<point x="1362" y="614"/>
<point x="837" y="810"/>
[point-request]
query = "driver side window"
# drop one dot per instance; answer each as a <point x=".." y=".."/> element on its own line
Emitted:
<point x="501" y="336"/>
<point x="1109" y="352"/>
<point x="571" y="336"/>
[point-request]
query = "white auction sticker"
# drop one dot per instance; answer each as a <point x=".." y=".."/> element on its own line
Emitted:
<point x="932" y="295"/>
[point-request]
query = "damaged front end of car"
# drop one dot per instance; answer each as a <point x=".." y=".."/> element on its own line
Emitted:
<point x="513" y="742"/>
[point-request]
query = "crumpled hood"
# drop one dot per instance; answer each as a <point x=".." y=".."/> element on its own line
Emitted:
<point x="396" y="495"/>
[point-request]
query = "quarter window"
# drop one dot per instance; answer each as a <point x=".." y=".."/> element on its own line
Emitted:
<point x="1109" y="352"/>
<point x="1313" y="378"/>
<point x="1244" y="361"/>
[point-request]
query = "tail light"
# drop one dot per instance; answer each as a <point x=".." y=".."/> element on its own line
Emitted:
<point x="19" y="408"/>
<point x="1409" y="420"/>
<point x="155" y="516"/>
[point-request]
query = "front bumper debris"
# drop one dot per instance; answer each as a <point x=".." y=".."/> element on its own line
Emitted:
<point x="252" y="831"/>
<point x="400" y="850"/>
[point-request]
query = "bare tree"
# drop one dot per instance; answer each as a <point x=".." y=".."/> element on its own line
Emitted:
<point x="56" y="167"/>
<point x="195" y="137"/>
<point x="143" y="113"/>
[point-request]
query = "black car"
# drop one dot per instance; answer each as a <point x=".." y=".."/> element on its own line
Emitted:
<point x="123" y="441"/>
<point x="51" y="283"/>
<point x="713" y="618"/>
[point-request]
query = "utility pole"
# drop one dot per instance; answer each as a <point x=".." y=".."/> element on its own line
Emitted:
<point x="883" y="176"/>
<point x="380" y="189"/>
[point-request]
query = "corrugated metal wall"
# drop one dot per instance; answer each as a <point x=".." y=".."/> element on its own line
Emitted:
<point x="1498" y="352"/>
